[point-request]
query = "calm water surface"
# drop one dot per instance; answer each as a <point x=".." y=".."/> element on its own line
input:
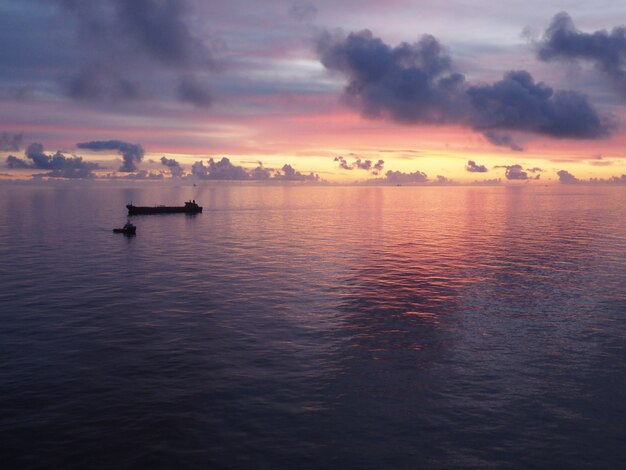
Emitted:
<point x="314" y="327"/>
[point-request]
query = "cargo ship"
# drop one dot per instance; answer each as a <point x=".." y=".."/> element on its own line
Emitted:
<point x="190" y="207"/>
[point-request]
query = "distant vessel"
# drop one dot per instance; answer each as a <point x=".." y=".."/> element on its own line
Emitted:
<point x="190" y="207"/>
<point x="127" y="229"/>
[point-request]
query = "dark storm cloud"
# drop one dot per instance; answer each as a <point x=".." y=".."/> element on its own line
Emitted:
<point x="416" y="83"/>
<point x="566" y="177"/>
<point x="60" y="165"/>
<point x="606" y="50"/>
<point x="472" y="167"/>
<point x="124" y="44"/>
<point x="398" y="177"/>
<point x="410" y="82"/>
<point x="174" y="167"/>
<point x="131" y="153"/>
<point x="502" y="139"/>
<point x="11" y="141"/>
<point x="518" y="103"/>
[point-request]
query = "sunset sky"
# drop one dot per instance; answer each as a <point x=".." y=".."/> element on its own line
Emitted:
<point x="399" y="91"/>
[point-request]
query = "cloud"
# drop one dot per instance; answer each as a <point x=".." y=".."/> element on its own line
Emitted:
<point x="417" y="83"/>
<point x="398" y="177"/>
<point x="303" y="11"/>
<point x="131" y="153"/>
<point x="175" y="168"/>
<point x="518" y="103"/>
<point x="191" y="91"/>
<point x="140" y="175"/>
<point x="502" y="140"/>
<point x="221" y="170"/>
<point x="60" y="165"/>
<point x="411" y="82"/>
<point x="566" y="177"/>
<point x="472" y="167"/>
<point x="612" y="180"/>
<point x="343" y="164"/>
<point x="225" y="170"/>
<point x="260" y="173"/>
<point x="359" y="164"/>
<point x="10" y="141"/>
<point x="290" y="174"/>
<point x="15" y="162"/>
<point x="443" y="181"/>
<point x="606" y="50"/>
<point x="514" y="172"/>
<point x="126" y="43"/>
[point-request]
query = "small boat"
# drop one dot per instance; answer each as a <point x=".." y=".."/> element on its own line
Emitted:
<point x="128" y="229"/>
<point x="190" y="207"/>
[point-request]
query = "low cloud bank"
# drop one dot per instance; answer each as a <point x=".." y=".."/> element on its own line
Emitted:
<point x="60" y="166"/>
<point x="225" y="170"/>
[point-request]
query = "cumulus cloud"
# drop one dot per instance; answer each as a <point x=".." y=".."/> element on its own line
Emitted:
<point x="606" y="50"/>
<point x="566" y="177"/>
<point x="290" y="174"/>
<point x="225" y="170"/>
<point x="517" y="172"/>
<point x="343" y="164"/>
<point x="417" y="83"/>
<point x="127" y="42"/>
<point x="361" y="164"/>
<point x="175" y="169"/>
<point x="472" y="167"/>
<point x="398" y="177"/>
<point x="503" y="139"/>
<point x="219" y="170"/>
<point x="410" y="82"/>
<point x="131" y="153"/>
<point x="60" y="166"/>
<point x="260" y="173"/>
<point x="11" y="141"/>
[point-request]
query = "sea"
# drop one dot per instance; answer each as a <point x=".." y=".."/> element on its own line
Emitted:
<point x="303" y="326"/>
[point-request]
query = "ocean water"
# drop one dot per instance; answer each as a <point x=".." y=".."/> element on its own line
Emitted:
<point x="314" y="327"/>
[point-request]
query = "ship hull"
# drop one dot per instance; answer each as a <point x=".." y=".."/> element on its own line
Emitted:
<point x="146" y="210"/>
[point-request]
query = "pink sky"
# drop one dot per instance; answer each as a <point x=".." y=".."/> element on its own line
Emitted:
<point x="234" y="79"/>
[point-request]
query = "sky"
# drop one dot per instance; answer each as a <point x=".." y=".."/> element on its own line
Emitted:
<point x="398" y="92"/>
